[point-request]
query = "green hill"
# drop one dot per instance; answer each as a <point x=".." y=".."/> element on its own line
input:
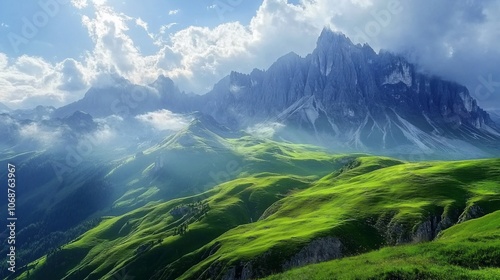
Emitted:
<point x="265" y="223"/>
<point x="470" y="250"/>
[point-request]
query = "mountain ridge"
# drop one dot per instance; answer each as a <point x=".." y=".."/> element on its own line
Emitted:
<point x="366" y="101"/>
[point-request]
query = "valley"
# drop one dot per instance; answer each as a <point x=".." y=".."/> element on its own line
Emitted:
<point x="346" y="163"/>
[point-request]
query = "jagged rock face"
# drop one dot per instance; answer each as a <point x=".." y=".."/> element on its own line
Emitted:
<point x="319" y="250"/>
<point x="342" y="95"/>
<point x="80" y="122"/>
<point x="365" y="100"/>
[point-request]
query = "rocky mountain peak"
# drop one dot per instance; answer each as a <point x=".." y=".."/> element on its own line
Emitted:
<point x="80" y="121"/>
<point x="163" y="82"/>
<point x="364" y="100"/>
<point x="329" y="37"/>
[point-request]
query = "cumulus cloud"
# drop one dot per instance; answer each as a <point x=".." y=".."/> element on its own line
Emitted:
<point x="115" y="52"/>
<point x="454" y="39"/>
<point x="26" y="78"/>
<point x="4" y="61"/>
<point x="164" y="120"/>
<point x="72" y="78"/>
<point x="28" y="81"/>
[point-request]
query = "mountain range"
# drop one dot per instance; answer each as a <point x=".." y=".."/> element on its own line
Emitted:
<point x="343" y="96"/>
<point x="318" y="159"/>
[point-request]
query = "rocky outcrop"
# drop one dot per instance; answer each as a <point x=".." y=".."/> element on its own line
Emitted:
<point x="471" y="212"/>
<point x="364" y="100"/>
<point x="319" y="250"/>
<point x="390" y="227"/>
<point x="428" y="230"/>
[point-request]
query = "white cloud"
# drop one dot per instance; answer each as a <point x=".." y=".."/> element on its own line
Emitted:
<point x="173" y="12"/>
<point x="142" y="23"/>
<point x="25" y="78"/>
<point x="79" y="4"/>
<point x="166" y="27"/>
<point x="164" y="120"/>
<point x="104" y="135"/>
<point x="72" y="78"/>
<point x="115" y="51"/>
<point x="4" y="61"/>
<point x="457" y="39"/>
<point x="28" y="81"/>
<point x="44" y="136"/>
<point x="264" y="130"/>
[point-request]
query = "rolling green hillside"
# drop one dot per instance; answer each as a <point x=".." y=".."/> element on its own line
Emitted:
<point x="470" y="250"/>
<point x="262" y="223"/>
<point x="108" y="181"/>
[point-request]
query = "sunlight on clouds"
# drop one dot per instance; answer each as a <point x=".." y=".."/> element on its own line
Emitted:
<point x="29" y="81"/>
<point x="33" y="66"/>
<point x="196" y="57"/>
<point x="115" y="51"/>
<point x="80" y="4"/>
<point x="4" y="61"/>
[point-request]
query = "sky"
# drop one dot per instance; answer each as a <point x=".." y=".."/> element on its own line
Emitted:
<point x="53" y="51"/>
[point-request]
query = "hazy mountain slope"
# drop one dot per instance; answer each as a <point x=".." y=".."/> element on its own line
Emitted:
<point x="89" y="179"/>
<point x="495" y="115"/>
<point x="344" y="96"/>
<point x="265" y="223"/>
<point x="126" y="99"/>
<point x="353" y="98"/>
<point x="113" y="180"/>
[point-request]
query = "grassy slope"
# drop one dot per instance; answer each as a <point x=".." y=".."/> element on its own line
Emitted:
<point x="106" y="248"/>
<point x="360" y="204"/>
<point x="470" y="250"/>
<point x="363" y="209"/>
